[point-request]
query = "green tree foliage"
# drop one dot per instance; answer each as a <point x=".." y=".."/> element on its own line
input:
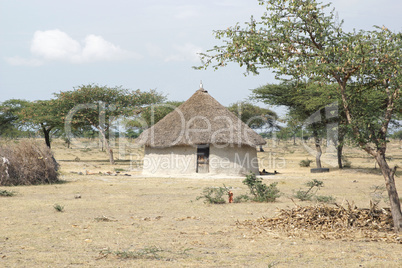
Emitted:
<point x="254" y="116"/>
<point x="397" y="135"/>
<point x="101" y="106"/>
<point x="152" y="114"/>
<point x="304" y="100"/>
<point x="10" y="122"/>
<point x="303" y="39"/>
<point x="47" y="115"/>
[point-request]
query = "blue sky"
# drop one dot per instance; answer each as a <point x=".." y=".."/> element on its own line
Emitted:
<point x="47" y="46"/>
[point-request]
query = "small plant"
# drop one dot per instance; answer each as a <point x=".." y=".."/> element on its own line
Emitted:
<point x="241" y="198"/>
<point x="378" y="194"/>
<point x="307" y="195"/>
<point x="145" y="253"/>
<point x="305" y="163"/>
<point x="58" y="208"/>
<point x="6" y="193"/>
<point x="346" y="163"/>
<point x="260" y="191"/>
<point x="213" y="195"/>
<point x="150" y="253"/>
<point x="67" y="141"/>
<point x="325" y="199"/>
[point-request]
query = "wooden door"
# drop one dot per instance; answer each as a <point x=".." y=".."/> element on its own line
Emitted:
<point x="203" y="158"/>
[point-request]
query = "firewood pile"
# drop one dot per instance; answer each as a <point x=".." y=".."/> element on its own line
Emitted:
<point x="325" y="222"/>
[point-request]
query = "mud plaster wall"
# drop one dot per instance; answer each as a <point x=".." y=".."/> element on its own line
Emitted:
<point x="182" y="160"/>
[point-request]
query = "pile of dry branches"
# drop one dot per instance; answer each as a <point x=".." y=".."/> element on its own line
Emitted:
<point x="27" y="163"/>
<point x="326" y="222"/>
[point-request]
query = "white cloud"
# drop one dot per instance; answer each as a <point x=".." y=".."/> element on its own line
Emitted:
<point x="186" y="52"/>
<point x="55" y="45"/>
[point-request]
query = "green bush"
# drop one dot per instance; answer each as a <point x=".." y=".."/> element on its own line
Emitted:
<point x="305" y="163"/>
<point x="260" y="191"/>
<point x="6" y="193"/>
<point x="303" y="195"/>
<point x="241" y="198"/>
<point x="306" y="195"/>
<point x="325" y="199"/>
<point x="346" y="163"/>
<point x="213" y="195"/>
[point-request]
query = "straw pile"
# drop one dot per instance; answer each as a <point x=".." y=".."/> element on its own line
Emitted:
<point x="326" y="222"/>
<point x="27" y="163"/>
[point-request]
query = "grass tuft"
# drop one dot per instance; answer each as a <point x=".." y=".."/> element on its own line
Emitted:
<point x="305" y="163"/>
<point x="6" y="193"/>
<point x="58" y="208"/>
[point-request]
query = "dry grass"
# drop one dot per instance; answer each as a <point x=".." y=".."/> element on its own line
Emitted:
<point x="132" y="221"/>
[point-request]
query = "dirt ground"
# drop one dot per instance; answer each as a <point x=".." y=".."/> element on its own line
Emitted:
<point x="133" y="221"/>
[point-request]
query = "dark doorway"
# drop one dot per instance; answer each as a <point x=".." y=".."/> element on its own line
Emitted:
<point x="203" y="158"/>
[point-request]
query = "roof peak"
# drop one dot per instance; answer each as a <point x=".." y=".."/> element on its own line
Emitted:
<point x="202" y="88"/>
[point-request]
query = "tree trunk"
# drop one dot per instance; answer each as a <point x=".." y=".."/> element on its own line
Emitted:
<point x="389" y="174"/>
<point x="339" y="145"/>
<point x="107" y="147"/>
<point x="339" y="149"/>
<point x="318" y="149"/>
<point x="46" y="133"/>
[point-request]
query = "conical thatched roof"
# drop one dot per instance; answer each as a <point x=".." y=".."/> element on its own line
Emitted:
<point x="200" y="120"/>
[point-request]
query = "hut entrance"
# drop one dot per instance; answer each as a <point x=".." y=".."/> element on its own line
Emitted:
<point x="203" y="158"/>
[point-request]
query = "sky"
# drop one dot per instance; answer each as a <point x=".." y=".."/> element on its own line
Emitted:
<point x="48" y="46"/>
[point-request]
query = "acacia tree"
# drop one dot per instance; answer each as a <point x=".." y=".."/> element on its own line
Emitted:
<point x="253" y="115"/>
<point x="45" y="114"/>
<point x="304" y="100"/>
<point x="302" y="39"/>
<point x="152" y="114"/>
<point x="10" y="121"/>
<point x="101" y="106"/>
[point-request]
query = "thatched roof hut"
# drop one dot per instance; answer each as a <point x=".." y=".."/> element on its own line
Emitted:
<point x="195" y="134"/>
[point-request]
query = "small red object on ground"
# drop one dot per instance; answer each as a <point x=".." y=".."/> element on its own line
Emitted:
<point x="230" y="196"/>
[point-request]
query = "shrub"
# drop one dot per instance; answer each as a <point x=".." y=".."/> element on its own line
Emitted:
<point x="325" y="199"/>
<point x="241" y="198"/>
<point x="260" y="191"/>
<point x="303" y="195"/>
<point x="6" y="193"/>
<point x="27" y="163"/>
<point x="308" y="194"/>
<point x="346" y="163"/>
<point x="305" y="163"/>
<point x="213" y="195"/>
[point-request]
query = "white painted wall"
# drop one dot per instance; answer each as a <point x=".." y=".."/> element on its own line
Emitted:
<point x="182" y="160"/>
<point x="169" y="161"/>
<point x="233" y="160"/>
